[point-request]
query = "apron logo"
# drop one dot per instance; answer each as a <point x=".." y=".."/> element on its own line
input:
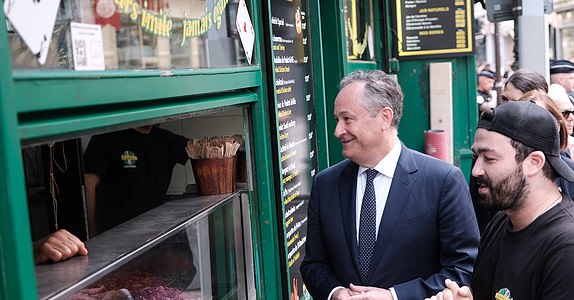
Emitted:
<point x="129" y="159"/>
<point x="503" y="294"/>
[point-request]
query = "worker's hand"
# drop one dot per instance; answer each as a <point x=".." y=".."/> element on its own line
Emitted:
<point x="58" y="246"/>
<point x="294" y="291"/>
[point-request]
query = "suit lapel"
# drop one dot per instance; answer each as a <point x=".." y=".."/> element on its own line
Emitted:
<point x="347" y="192"/>
<point x="401" y="186"/>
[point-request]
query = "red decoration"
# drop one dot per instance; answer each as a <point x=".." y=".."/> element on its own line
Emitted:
<point x="107" y="13"/>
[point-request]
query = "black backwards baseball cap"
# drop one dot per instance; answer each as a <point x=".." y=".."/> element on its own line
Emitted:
<point x="561" y="66"/>
<point x="487" y="73"/>
<point x="533" y="126"/>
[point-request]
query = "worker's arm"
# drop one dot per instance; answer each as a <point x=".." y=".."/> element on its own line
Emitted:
<point x="92" y="181"/>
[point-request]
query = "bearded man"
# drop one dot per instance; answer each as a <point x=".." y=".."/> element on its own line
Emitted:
<point x="527" y="249"/>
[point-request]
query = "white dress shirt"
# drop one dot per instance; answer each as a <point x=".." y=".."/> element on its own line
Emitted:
<point x="382" y="183"/>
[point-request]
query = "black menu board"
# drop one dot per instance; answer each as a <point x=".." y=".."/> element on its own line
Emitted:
<point x="295" y="109"/>
<point x="434" y="27"/>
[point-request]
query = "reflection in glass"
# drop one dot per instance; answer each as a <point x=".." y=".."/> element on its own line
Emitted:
<point x="141" y="34"/>
<point x="359" y="29"/>
<point x="567" y="42"/>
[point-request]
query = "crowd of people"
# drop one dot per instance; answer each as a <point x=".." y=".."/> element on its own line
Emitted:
<point x="402" y="225"/>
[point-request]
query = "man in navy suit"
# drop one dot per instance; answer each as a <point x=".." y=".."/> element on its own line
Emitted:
<point x="397" y="234"/>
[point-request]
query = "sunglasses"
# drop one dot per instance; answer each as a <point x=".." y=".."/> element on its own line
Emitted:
<point x="567" y="113"/>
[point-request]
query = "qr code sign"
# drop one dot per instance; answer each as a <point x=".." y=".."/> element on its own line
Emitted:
<point x="80" y="55"/>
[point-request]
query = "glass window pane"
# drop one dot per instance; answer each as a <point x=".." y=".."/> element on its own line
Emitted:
<point x="359" y="29"/>
<point x="204" y="260"/>
<point x="140" y="34"/>
<point x="567" y="42"/>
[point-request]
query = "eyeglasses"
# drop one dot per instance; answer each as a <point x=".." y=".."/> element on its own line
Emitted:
<point x="567" y="113"/>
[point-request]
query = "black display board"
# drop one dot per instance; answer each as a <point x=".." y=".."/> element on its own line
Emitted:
<point x="295" y="111"/>
<point x="434" y="27"/>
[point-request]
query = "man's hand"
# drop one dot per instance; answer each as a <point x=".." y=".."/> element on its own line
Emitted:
<point x="369" y="293"/>
<point x="58" y="246"/>
<point x="341" y="293"/>
<point x="453" y="292"/>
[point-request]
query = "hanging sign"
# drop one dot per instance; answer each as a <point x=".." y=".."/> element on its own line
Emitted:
<point x="34" y="20"/>
<point x="245" y="29"/>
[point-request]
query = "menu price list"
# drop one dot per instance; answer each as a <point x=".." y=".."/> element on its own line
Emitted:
<point x="295" y="109"/>
<point x="428" y="27"/>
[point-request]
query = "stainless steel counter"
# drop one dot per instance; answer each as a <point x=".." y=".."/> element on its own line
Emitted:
<point x="113" y="248"/>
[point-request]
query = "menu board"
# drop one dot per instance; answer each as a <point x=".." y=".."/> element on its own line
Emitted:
<point x="434" y="27"/>
<point x="295" y="111"/>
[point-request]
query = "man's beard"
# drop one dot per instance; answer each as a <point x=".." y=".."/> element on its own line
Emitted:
<point x="508" y="193"/>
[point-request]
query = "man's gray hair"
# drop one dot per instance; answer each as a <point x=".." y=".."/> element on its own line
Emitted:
<point x="380" y="91"/>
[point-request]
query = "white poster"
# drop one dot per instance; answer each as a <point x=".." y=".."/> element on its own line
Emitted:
<point x="88" y="48"/>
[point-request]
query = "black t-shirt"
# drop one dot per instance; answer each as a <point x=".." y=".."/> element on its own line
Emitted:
<point x="135" y="171"/>
<point x="533" y="263"/>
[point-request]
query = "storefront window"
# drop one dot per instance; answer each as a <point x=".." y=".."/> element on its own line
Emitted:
<point x="129" y="34"/>
<point x="567" y="42"/>
<point x="359" y="29"/>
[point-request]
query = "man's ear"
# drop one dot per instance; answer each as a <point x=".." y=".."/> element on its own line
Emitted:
<point x="534" y="163"/>
<point x="386" y="117"/>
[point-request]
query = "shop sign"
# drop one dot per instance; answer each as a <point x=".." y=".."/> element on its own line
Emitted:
<point x="434" y="27"/>
<point x="161" y="24"/>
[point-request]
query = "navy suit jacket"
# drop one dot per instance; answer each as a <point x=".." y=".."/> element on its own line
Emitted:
<point x="428" y="230"/>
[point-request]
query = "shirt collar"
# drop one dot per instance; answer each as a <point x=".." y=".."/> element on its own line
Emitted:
<point x="388" y="164"/>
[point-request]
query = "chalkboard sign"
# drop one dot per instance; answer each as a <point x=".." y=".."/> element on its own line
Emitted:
<point x="434" y="27"/>
<point x="295" y="112"/>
